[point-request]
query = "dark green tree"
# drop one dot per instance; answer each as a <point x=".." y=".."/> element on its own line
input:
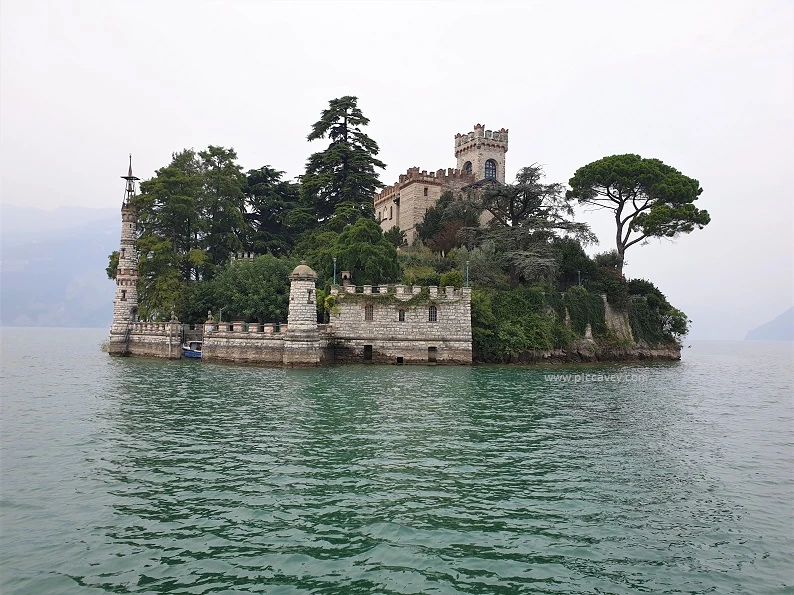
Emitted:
<point x="222" y="206"/>
<point x="113" y="265"/>
<point x="648" y="198"/>
<point x="361" y="249"/>
<point x="396" y="236"/>
<point x="342" y="177"/>
<point x="441" y="223"/>
<point x="526" y="217"/>
<point x="274" y="212"/>
<point x="170" y="231"/>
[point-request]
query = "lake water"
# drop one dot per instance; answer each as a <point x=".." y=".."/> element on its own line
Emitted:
<point x="141" y="476"/>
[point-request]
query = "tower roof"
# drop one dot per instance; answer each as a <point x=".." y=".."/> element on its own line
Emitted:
<point x="129" y="190"/>
<point x="303" y="271"/>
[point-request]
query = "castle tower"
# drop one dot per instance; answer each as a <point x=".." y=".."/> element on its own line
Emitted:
<point x="125" y="304"/>
<point x="302" y="339"/>
<point x="482" y="153"/>
<point x="302" y="313"/>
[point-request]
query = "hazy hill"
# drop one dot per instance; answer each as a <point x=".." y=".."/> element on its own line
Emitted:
<point x="779" y="329"/>
<point x="52" y="266"/>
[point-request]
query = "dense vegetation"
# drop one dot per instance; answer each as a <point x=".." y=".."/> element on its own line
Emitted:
<point x="535" y="288"/>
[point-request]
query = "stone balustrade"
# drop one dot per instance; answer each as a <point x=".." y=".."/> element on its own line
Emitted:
<point x="402" y="291"/>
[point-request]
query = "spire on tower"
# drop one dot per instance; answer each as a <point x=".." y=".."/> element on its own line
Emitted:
<point x="129" y="191"/>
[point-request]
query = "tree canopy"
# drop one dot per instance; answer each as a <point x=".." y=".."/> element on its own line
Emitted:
<point x="526" y="217"/>
<point x="341" y="180"/>
<point x="648" y="198"/>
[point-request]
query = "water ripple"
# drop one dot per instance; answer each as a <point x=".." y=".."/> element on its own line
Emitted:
<point x="136" y="476"/>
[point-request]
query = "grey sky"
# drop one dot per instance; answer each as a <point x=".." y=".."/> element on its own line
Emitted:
<point x="708" y="87"/>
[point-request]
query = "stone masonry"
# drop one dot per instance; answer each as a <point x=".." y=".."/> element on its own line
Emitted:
<point x="401" y="324"/>
<point x="480" y="155"/>
<point x="125" y="303"/>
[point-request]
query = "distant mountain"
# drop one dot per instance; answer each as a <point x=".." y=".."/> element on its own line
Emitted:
<point x="52" y="266"/>
<point x="779" y="329"/>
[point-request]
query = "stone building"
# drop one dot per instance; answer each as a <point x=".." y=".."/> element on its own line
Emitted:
<point x="125" y="303"/>
<point x="480" y="155"/>
<point x="401" y="324"/>
<point x="396" y="323"/>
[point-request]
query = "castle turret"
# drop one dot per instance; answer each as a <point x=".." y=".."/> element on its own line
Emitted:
<point x="302" y="345"/>
<point x="482" y="153"/>
<point x="125" y="304"/>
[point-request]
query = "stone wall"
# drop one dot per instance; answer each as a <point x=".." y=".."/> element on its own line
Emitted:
<point x="242" y="347"/>
<point x="480" y="145"/>
<point x="148" y="339"/>
<point x="404" y="203"/>
<point x="364" y="318"/>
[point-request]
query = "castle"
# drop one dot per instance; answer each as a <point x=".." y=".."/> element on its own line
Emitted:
<point x="397" y="324"/>
<point x="480" y="157"/>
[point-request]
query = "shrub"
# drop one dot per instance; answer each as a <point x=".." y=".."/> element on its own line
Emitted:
<point x="452" y="278"/>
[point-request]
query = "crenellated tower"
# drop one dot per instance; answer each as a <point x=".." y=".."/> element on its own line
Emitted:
<point x="482" y="153"/>
<point x="125" y="304"/>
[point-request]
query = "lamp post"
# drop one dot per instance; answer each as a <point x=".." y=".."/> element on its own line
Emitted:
<point x="467" y="273"/>
<point x="334" y="270"/>
<point x="579" y="278"/>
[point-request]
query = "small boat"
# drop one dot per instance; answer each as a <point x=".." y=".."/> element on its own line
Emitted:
<point x="192" y="349"/>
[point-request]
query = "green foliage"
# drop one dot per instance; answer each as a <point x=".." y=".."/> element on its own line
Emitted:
<point x="649" y="198"/>
<point x="342" y="177"/>
<point x="441" y="223"/>
<point x="421" y="275"/>
<point x="452" y="278"/>
<point x="527" y="216"/>
<point x="396" y="236"/>
<point x="651" y="316"/>
<point x="487" y="264"/>
<point x="252" y="291"/>
<point x="113" y="265"/>
<point x="274" y="212"/>
<point x="585" y="308"/>
<point x="573" y="264"/>
<point x="361" y="249"/>
<point x="507" y="323"/>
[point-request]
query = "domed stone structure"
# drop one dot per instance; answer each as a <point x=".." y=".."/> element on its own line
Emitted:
<point x="303" y="272"/>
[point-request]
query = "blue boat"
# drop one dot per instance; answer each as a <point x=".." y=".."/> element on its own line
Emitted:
<point x="192" y="349"/>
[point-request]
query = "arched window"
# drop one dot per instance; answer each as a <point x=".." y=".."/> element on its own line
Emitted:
<point x="368" y="312"/>
<point x="432" y="314"/>
<point x="467" y="167"/>
<point x="401" y="315"/>
<point x="490" y="169"/>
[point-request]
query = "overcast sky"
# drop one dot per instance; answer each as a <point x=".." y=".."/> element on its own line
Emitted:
<point x="707" y="87"/>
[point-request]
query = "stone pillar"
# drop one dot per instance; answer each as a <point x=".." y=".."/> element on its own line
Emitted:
<point x="125" y="303"/>
<point x="302" y="339"/>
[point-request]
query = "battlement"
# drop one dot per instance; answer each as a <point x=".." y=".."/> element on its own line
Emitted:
<point x="480" y="132"/>
<point x="441" y="177"/>
<point x="402" y="292"/>
<point x="243" y="257"/>
<point x="479" y="137"/>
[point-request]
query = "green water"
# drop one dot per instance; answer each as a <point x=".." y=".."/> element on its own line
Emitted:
<point x="136" y="476"/>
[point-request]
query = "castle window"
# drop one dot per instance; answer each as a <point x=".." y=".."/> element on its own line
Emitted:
<point x="123" y="295"/>
<point x="467" y="167"/>
<point x="401" y="315"/>
<point x="391" y="212"/>
<point x="122" y="252"/>
<point x="490" y="169"/>
<point x="425" y="191"/>
<point x="368" y="312"/>
<point x="432" y="314"/>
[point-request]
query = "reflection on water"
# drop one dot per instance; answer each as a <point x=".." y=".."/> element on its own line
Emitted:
<point x="144" y="476"/>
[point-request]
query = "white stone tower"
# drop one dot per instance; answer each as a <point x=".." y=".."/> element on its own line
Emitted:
<point x="482" y="153"/>
<point x="125" y="304"/>
<point x="302" y="339"/>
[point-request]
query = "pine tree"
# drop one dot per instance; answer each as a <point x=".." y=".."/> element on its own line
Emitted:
<point x="340" y="181"/>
